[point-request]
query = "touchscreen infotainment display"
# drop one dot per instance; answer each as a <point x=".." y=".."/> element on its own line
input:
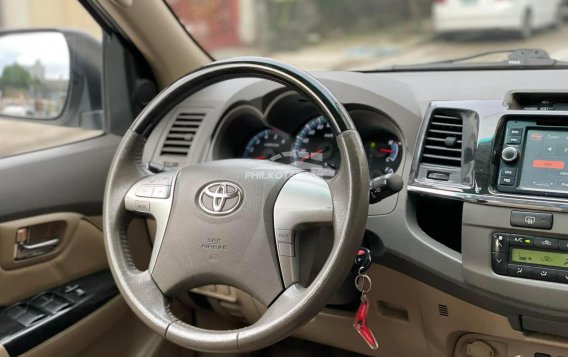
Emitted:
<point x="545" y="162"/>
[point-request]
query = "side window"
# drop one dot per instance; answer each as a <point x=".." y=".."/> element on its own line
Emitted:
<point x="50" y="75"/>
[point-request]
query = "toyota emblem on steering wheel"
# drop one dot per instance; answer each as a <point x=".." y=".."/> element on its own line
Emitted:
<point x="220" y="198"/>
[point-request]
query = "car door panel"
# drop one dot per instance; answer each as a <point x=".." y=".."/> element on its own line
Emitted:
<point x="79" y="253"/>
<point x="68" y="178"/>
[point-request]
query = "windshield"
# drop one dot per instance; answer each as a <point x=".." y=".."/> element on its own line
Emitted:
<point x="371" y="34"/>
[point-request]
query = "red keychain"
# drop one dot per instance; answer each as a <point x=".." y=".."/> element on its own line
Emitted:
<point x="360" y="323"/>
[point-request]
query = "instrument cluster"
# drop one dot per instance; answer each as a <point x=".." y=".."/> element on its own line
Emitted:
<point x="291" y="131"/>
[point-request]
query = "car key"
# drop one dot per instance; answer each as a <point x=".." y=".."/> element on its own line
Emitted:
<point x="363" y="284"/>
<point x="363" y="260"/>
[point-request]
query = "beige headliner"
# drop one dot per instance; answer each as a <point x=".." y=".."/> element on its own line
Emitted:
<point x="168" y="49"/>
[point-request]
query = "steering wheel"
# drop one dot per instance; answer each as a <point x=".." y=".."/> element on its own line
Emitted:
<point x="234" y="222"/>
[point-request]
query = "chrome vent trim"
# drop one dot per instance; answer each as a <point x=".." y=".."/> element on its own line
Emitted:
<point x="181" y="133"/>
<point x="443" y="142"/>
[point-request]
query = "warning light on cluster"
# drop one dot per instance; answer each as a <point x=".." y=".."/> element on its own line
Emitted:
<point x="548" y="164"/>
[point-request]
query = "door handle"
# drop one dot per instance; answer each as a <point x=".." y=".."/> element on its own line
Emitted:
<point x="40" y="246"/>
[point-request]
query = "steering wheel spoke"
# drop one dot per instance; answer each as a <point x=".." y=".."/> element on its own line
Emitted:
<point x="304" y="201"/>
<point x="153" y="196"/>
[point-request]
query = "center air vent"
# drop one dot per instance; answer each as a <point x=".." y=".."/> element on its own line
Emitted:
<point x="181" y="134"/>
<point x="443" y="141"/>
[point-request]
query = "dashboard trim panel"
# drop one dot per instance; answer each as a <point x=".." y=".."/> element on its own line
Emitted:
<point x="492" y="117"/>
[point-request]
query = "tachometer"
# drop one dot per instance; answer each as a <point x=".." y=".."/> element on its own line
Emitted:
<point x="315" y="148"/>
<point x="269" y="144"/>
<point x="384" y="154"/>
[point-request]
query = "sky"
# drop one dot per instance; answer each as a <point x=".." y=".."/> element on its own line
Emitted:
<point x="50" y="48"/>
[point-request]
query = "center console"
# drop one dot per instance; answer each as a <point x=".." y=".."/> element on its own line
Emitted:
<point x="506" y="171"/>
<point x="533" y="158"/>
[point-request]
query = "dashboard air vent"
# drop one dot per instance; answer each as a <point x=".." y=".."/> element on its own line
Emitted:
<point x="443" y="141"/>
<point x="181" y="134"/>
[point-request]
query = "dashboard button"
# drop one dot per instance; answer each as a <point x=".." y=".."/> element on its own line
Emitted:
<point x="520" y="271"/>
<point x="531" y="220"/>
<point x="521" y="241"/>
<point x="515" y="140"/>
<point x="499" y="263"/>
<point x="500" y="242"/>
<point x="510" y="154"/>
<point x="562" y="276"/>
<point x="510" y="172"/>
<point x="543" y="274"/>
<point x="546" y="243"/>
<point x="563" y="245"/>
<point x="515" y="131"/>
<point x="440" y="176"/>
<point x="507" y="181"/>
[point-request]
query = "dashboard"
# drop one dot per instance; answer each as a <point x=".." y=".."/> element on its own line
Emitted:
<point x="483" y="161"/>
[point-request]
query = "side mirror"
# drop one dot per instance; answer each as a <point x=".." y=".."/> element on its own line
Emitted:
<point x="52" y="76"/>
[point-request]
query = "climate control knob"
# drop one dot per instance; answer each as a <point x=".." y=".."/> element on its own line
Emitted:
<point x="510" y="154"/>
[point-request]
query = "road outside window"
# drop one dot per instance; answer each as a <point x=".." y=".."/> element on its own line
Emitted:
<point x="374" y="34"/>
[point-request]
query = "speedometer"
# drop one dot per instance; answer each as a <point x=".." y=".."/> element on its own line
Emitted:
<point x="315" y="148"/>
<point x="269" y="144"/>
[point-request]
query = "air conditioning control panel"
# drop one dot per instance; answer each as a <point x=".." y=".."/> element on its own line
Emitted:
<point x="530" y="257"/>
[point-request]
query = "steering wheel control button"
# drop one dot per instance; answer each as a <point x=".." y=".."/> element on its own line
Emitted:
<point x="161" y="192"/>
<point x="160" y="180"/>
<point x="546" y="243"/>
<point x="543" y="274"/>
<point x="500" y="242"/>
<point x="285" y="236"/>
<point x="286" y="250"/>
<point x="521" y="241"/>
<point x="520" y="271"/>
<point x="145" y="191"/>
<point x="510" y="155"/>
<point x="499" y="263"/>
<point x="507" y="181"/>
<point x="142" y="206"/>
<point x="363" y="260"/>
<point x="535" y="220"/>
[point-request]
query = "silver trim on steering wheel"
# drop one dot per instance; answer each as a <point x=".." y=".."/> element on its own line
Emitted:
<point x="304" y="200"/>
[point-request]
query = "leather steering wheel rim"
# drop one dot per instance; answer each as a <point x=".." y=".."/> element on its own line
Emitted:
<point x="296" y="304"/>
